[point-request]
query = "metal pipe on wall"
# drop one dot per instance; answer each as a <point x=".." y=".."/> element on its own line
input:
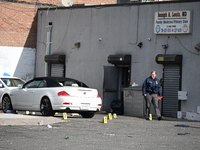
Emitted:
<point x="48" y="46"/>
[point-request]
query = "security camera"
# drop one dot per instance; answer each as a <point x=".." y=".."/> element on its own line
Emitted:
<point x="100" y="39"/>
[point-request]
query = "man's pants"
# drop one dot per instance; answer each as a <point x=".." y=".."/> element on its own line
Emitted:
<point x="152" y="98"/>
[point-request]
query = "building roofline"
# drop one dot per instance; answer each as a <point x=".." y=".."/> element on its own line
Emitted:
<point x="28" y="3"/>
<point x="115" y="5"/>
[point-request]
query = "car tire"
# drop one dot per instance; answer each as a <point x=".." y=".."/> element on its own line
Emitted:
<point x="46" y="108"/>
<point x="6" y="104"/>
<point x="87" y="115"/>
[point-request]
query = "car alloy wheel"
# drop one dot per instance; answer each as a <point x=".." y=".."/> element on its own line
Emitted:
<point x="45" y="107"/>
<point x="6" y="104"/>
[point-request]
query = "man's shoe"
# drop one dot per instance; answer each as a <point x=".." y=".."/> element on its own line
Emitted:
<point x="159" y="118"/>
<point x="147" y="118"/>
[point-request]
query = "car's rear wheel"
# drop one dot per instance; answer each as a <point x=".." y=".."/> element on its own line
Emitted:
<point x="6" y="104"/>
<point x="46" y="108"/>
<point x="87" y="115"/>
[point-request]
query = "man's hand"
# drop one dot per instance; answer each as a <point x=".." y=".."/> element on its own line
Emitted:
<point x="160" y="97"/>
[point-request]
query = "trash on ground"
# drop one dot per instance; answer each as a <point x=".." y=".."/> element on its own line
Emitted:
<point x="40" y="122"/>
<point x="109" y="134"/>
<point x="183" y="133"/>
<point x="181" y="125"/>
<point x="49" y="126"/>
<point x="11" y="111"/>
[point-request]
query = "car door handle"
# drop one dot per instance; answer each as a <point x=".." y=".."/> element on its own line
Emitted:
<point x="33" y="91"/>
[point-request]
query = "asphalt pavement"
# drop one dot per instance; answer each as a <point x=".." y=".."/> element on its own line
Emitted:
<point x="35" y="132"/>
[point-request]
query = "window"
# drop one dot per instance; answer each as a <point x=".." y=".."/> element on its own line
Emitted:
<point x="33" y="84"/>
<point x="1" y="85"/>
<point x="12" y="82"/>
<point x="42" y="84"/>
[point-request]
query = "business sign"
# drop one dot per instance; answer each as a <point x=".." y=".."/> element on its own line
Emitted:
<point x="172" y="22"/>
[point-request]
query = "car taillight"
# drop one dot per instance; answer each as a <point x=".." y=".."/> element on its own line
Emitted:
<point x="98" y="95"/>
<point x="63" y="93"/>
<point x="99" y="105"/>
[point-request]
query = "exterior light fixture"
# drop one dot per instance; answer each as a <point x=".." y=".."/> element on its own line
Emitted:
<point x="77" y="44"/>
<point x="197" y="47"/>
<point x="165" y="46"/>
<point x="140" y="44"/>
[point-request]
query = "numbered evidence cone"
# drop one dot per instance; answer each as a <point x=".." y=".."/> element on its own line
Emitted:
<point x="114" y="115"/>
<point x="64" y="116"/>
<point x="109" y="116"/>
<point x="150" y="116"/>
<point x="105" y="119"/>
<point x="27" y="112"/>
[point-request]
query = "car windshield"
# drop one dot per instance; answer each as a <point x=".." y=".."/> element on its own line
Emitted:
<point x="12" y="82"/>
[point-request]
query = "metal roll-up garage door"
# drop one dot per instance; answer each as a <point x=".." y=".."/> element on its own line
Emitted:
<point x="171" y="86"/>
<point x="57" y="70"/>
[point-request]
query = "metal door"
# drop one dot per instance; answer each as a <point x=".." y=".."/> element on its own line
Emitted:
<point x="57" y="70"/>
<point x="171" y="86"/>
<point x="110" y="86"/>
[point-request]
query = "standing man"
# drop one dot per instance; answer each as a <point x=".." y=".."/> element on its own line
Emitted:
<point x="151" y="93"/>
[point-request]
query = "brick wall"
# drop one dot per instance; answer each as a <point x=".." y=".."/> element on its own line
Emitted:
<point x="18" y="21"/>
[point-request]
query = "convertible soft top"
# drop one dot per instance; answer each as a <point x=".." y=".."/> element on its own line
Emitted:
<point x="59" y="81"/>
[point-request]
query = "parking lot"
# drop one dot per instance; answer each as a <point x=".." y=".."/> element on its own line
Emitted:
<point x="35" y="132"/>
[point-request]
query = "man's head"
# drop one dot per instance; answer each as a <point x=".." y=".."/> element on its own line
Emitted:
<point x="153" y="74"/>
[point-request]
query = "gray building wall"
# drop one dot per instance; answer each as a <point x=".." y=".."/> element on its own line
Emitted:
<point x="121" y="28"/>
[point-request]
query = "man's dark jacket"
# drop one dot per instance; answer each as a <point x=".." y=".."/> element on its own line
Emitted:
<point x="151" y="86"/>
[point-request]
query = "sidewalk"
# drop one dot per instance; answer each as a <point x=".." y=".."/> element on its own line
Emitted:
<point x="22" y="119"/>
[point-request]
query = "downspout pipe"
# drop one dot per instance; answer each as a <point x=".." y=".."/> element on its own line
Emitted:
<point x="48" y="46"/>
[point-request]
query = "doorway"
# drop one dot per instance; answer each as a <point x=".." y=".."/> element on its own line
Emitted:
<point x="116" y="78"/>
<point x="171" y="86"/>
<point x="172" y="74"/>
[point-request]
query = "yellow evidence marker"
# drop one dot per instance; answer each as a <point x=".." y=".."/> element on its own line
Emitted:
<point x="109" y="116"/>
<point x="105" y="119"/>
<point x="114" y="115"/>
<point x="64" y="116"/>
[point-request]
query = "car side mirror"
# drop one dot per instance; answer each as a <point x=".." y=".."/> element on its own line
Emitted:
<point x="20" y="86"/>
<point x="1" y="85"/>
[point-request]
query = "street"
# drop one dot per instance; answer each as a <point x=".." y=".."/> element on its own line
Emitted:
<point x="121" y="133"/>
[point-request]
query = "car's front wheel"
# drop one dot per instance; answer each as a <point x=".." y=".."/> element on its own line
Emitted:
<point x="6" y="104"/>
<point x="46" y="108"/>
<point x="87" y="114"/>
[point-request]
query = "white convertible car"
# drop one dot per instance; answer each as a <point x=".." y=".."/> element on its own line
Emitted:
<point x="53" y="94"/>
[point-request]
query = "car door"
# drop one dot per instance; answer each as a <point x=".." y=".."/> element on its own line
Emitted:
<point x="2" y="88"/>
<point x="24" y="97"/>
